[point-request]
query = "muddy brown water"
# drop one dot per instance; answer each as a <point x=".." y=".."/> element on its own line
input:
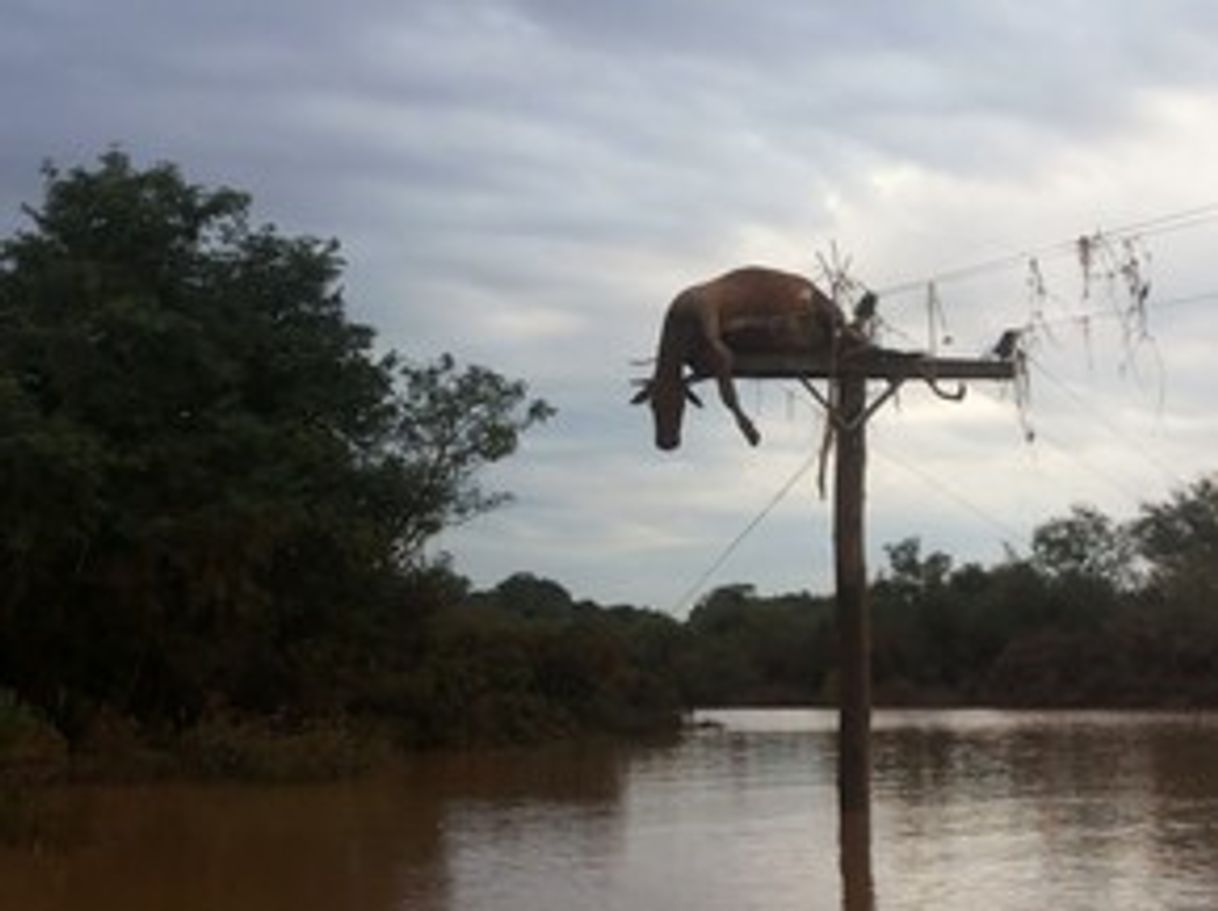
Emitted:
<point x="971" y="809"/>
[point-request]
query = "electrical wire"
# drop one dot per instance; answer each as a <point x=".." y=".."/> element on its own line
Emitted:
<point x="1100" y="313"/>
<point x="1173" y="221"/>
<point x="1009" y="532"/>
<point x="1097" y="416"/>
<point x="1168" y="222"/>
<point x="787" y="486"/>
<point x="1133" y="496"/>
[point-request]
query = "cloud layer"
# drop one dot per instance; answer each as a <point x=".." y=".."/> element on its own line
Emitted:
<point x="528" y="183"/>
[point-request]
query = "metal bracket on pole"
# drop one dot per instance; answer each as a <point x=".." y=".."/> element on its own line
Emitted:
<point x="894" y="383"/>
<point x="818" y="395"/>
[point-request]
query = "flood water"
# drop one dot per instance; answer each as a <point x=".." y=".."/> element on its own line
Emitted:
<point x="971" y="809"/>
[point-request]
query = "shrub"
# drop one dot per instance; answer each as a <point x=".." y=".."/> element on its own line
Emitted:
<point x="275" y="750"/>
<point x="31" y="749"/>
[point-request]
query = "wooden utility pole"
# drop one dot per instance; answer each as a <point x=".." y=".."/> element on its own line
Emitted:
<point x="849" y="411"/>
<point x="854" y="642"/>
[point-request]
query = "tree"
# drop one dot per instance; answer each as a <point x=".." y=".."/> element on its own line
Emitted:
<point x="527" y="595"/>
<point x="911" y="572"/>
<point x="1085" y="544"/>
<point x="743" y="648"/>
<point x="446" y="425"/>
<point x="1179" y="538"/>
<point x="211" y="483"/>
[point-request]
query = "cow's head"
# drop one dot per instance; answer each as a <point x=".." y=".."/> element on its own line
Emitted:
<point x="667" y="408"/>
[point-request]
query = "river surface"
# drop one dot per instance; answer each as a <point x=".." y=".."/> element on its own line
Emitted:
<point x="971" y="810"/>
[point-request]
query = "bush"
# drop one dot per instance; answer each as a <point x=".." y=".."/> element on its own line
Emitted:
<point x="31" y="750"/>
<point x="270" y="750"/>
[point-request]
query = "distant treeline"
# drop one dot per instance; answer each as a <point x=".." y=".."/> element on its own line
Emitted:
<point x="215" y="501"/>
<point x="1100" y="614"/>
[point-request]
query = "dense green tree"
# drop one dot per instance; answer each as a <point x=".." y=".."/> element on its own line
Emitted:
<point x="446" y="425"/>
<point x="213" y="488"/>
<point x="217" y="498"/>
<point x="1175" y="628"/>
<point x="530" y="596"/>
<point x="741" y="648"/>
<point x="1179" y="538"/>
<point x="1086" y="544"/>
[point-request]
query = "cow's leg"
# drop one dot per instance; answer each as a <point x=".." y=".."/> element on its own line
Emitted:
<point x="722" y="363"/>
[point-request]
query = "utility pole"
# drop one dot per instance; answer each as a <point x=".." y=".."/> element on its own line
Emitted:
<point x="853" y="643"/>
<point x="848" y="410"/>
<point x="854" y="636"/>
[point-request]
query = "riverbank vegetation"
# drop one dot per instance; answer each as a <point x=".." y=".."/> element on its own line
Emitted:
<point x="217" y="495"/>
<point x="1100" y="614"/>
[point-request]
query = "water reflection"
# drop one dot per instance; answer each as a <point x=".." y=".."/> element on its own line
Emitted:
<point x="1070" y="808"/>
<point x="1001" y="810"/>
<point x="188" y="847"/>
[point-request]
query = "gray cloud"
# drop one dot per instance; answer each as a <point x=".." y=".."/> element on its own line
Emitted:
<point x="528" y="183"/>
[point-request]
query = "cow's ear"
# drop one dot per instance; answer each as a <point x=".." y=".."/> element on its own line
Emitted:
<point x="693" y="397"/>
<point x="642" y="395"/>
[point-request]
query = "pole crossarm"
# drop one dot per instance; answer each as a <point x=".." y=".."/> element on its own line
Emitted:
<point x="873" y="363"/>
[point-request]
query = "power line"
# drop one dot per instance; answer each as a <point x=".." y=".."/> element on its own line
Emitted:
<point x="1112" y="313"/>
<point x="1080" y="318"/>
<point x="1090" y="468"/>
<point x="723" y="556"/>
<point x="1172" y="221"/>
<point x="1097" y="415"/>
<point x="1197" y="298"/>
<point x="1008" y="531"/>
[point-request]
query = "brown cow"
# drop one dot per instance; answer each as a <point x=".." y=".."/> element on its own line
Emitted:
<point x="753" y="310"/>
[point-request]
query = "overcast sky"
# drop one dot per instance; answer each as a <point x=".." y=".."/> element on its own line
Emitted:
<point x="528" y="184"/>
